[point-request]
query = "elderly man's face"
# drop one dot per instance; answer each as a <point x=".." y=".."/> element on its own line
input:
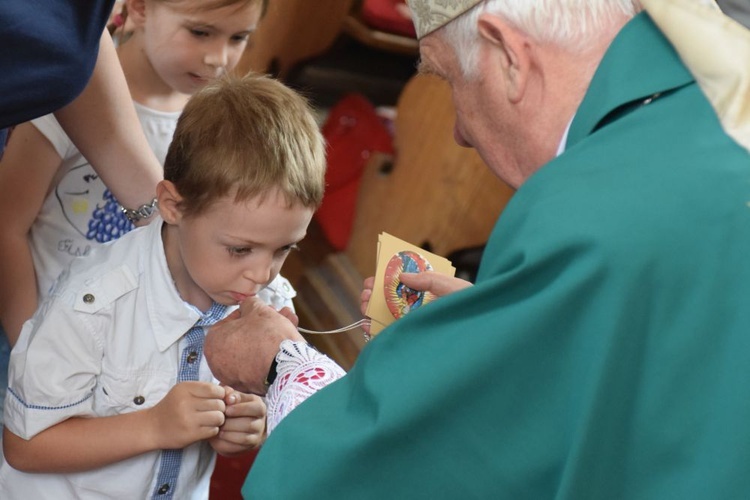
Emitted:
<point x="484" y="119"/>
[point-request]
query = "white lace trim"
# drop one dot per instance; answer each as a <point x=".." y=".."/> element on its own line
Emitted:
<point x="301" y="372"/>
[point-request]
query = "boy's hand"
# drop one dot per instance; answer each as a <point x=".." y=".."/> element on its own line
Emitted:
<point x="245" y="424"/>
<point x="190" y="412"/>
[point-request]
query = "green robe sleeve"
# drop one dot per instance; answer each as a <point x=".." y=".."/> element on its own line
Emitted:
<point x="604" y="350"/>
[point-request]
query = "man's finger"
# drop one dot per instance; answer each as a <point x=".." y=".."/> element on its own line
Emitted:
<point x="289" y="314"/>
<point x="252" y="303"/>
<point x="436" y="283"/>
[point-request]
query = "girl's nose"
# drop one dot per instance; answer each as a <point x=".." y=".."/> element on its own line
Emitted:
<point x="217" y="55"/>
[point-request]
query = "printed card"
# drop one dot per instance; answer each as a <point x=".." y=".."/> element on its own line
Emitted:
<point x="391" y="299"/>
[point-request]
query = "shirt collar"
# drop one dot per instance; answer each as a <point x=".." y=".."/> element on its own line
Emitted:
<point x="170" y="316"/>
<point x="564" y="140"/>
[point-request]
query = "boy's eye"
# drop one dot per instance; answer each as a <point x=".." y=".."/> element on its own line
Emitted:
<point x="283" y="251"/>
<point x="240" y="38"/>
<point x="198" y="32"/>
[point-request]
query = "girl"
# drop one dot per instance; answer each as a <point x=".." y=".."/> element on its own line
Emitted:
<point x="54" y="205"/>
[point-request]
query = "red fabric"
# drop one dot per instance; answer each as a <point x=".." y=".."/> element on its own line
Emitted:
<point x="336" y="214"/>
<point x="353" y="131"/>
<point x="383" y="15"/>
<point x="229" y="476"/>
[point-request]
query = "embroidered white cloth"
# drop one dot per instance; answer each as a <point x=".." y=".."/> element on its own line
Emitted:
<point x="301" y="372"/>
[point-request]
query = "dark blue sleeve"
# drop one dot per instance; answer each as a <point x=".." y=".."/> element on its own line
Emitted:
<point x="49" y="48"/>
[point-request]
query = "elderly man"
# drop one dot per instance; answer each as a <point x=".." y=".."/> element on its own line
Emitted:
<point x="603" y="350"/>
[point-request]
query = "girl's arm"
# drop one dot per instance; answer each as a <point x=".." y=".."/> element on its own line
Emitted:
<point x="190" y="412"/>
<point x="104" y="126"/>
<point x="26" y="174"/>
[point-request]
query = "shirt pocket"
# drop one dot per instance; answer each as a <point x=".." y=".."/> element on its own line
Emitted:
<point x="126" y="391"/>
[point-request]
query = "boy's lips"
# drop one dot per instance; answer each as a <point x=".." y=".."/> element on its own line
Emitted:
<point x="239" y="297"/>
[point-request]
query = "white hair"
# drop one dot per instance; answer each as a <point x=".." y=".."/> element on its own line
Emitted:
<point x="571" y="24"/>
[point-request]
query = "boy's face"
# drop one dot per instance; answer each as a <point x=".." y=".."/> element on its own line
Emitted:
<point x="232" y="250"/>
<point x="188" y="48"/>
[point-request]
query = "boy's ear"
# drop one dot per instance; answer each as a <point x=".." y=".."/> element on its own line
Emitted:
<point x="169" y="202"/>
<point x="136" y="11"/>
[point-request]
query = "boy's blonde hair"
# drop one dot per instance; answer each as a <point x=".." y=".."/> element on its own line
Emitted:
<point x="246" y="135"/>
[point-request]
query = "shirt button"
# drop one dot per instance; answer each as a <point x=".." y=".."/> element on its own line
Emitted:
<point x="88" y="298"/>
<point x="192" y="357"/>
<point x="163" y="489"/>
<point x="139" y="400"/>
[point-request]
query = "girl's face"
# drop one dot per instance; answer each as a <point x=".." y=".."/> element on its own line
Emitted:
<point x="188" y="45"/>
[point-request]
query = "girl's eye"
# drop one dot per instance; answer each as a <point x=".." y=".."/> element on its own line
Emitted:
<point x="238" y="251"/>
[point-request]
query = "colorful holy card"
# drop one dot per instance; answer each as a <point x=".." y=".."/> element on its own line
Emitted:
<point x="391" y="299"/>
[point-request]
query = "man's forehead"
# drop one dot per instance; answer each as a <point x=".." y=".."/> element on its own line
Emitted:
<point x="429" y="15"/>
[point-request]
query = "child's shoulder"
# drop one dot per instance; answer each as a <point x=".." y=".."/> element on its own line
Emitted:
<point x="109" y="271"/>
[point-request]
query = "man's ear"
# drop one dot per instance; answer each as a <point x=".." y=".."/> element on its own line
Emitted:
<point x="514" y="50"/>
<point x="136" y="11"/>
<point x="169" y="202"/>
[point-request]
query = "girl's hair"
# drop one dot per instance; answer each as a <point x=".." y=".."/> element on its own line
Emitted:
<point x="246" y="136"/>
<point x="568" y="23"/>
<point x="118" y="20"/>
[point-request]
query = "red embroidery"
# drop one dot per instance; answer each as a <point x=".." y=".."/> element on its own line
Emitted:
<point x="311" y="374"/>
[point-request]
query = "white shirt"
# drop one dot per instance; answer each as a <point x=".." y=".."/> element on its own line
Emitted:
<point x="564" y="141"/>
<point x="79" y="212"/>
<point x="107" y="341"/>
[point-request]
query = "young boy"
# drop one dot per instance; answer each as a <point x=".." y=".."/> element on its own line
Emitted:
<point x="54" y="202"/>
<point x="109" y="394"/>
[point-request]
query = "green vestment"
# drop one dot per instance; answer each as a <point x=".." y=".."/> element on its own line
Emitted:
<point x="602" y="353"/>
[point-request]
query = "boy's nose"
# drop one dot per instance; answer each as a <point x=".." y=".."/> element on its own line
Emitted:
<point x="260" y="273"/>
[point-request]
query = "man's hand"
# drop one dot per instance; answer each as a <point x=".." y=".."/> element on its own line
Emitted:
<point x="245" y="424"/>
<point x="436" y="283"/>
<point x="427" y="281"/>
<point x="240" y="348"/>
